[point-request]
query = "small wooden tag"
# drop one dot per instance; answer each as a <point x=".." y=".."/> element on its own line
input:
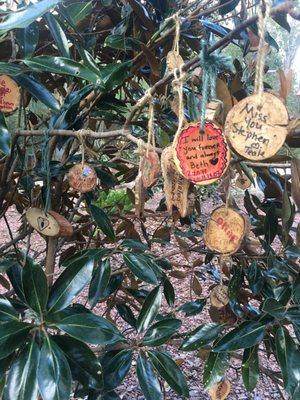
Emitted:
<point x="225" y="230"/>
<point x="174" y="60"/>
<point x="220" y="391"/>
<point x="139" y="193"/>
<point x="82" y="178"/>
<point x="201" y="157"/>
<point x="219" y="296"/>
<point x="242" y="181"/>
<point x="9" y="94"/>
<point x="176" y="187"/>
<point x="149" y="167"/>
<point x="51" y="224"/>
<point x="257" y="130"/>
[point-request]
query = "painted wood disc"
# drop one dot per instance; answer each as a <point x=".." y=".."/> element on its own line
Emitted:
<point x="9" y="94"/>
<point x="225" y="230"/>
<point x="220" y="391"/>
<point x="48" y="224"/>
<point x="257" y="130"/>
<point x="176" y="187"/>
<point x="82" y="178"/>
<point x="201" y="157"/>
<point x="219" y="296"/>
<point x="149" y="167"/>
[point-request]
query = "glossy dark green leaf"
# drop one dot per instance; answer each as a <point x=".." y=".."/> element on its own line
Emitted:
<point x="169" y="292"/>
<point x="91" y="328"/>
<point x="215" y="368"/>
<point x="69" y="284"/>
<point x="227" y="6"/>
<point x="112" y="75"/>
<point x="78" y="11"/>
<point x="14" y="273"/>
<point x="5" y="365"/>
<point x="7" y="311"/>
<point x="250" y="368"/>
<point x="201" y="336"/>
<point x="247" y="334"/>
<point x="140" y="267"/>
<point x="274" y="308"/>
<point x="116" y="366"/>
<point x="192" y="307"/>
<point x="11" y="69"/>
<point x="22" y="382"/>
<point x="58" y="34"/>
<point x="270" y="224"/>
<point x="85" y="256"/>
<point x="235" y="283"/>
<point x="161" y="332"/>
<point x="147" y="379"/>
<point x="134" y="245"/>
<point x="35" y="287"/>
<point x="126" y="313"/>
<point x="5" y="137"/>
<point x="255" y="277"/>
<point x="99" y="283"/>
<point x="149" y="309"/>
<point x="84" y="365"/>
<point x="27" y="39"/>
<point x="122" y="42"/>
<point x="23" y="18"/>
<point x="102" y="221"/>
<point x="54" y="375"/>
<point x="288" y="356"/>
<point x="12" y="335"/>
<point x="38" y="91"/>
<point x="169" y="371"/>
<point x="62" y="66"/>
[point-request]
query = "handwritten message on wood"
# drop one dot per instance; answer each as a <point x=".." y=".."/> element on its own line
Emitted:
<point x="219" y="296"/>
<point x="9" y="94"/>
<point x="257" y="130"/>
<point x="82" y="178"/>
<point x="201" y="157"/>
<point x="225" y="230"/>
<point x="176" y="187"/>
<point x="48" y="224"/>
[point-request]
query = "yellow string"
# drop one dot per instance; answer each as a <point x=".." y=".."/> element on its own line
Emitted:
<point x="263" y="16"/>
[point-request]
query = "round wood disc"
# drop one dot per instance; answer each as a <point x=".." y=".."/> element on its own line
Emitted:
<point x="220" y="391"/>
<point x="225" y="230"/>
<point x="201" y="157"/>
<point x="48" y="224"/>
<point x="243" y="182"/>
<point x="257" y="130"/>
<point x="219" y="296"/>
<point x="174" y="60"/>
<point x="82" y="178"/>
<point x="9" y="94"/>
<point x="150" y="168"/>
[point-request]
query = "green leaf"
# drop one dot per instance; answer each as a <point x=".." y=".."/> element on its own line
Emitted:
<point x="85" y="256"/>
<point x="12" y="335"/>
<point x="21" y="382"/>
<point x="14" y="274"/>
<point x="23" y="18"/>
<point x="91" y="328"/>
<point x="5" y="137"/>
<point x="4" y="366"/>
<point x="126" y="313"/>
<point x="288" y="356"/>
<point x="7" y="311"/>
<point x="38" y="91"/>
<point x="201" y="336"/>
<point x="250" y="368"/>
<point x="140" y="267"/>
<point x="235" y="283"/>
<point x="134" y="245"/>
<point x="35" y="287"/>
<point x="58" y="34"/>
<point x="27" y="39"/>
<point x="274" y="308"/>
<point x="147" y="379"/>
<point x="192" y="307"/>
<point x="115" y="367"/>
<point x="215" y="368"/>
<point x="161" y="332"/>
<point x="228" y="6"/>
<point x="247" y="334"/>
<point x="170" y="372"/>
<point x="102" y="221"/>
<point x="62" y="66"/>
<point x="84" y="365"/>
<point x="11" y="69"/>
<point x="99" y="283"/>
<point x="6" y="263"/>
<point x="69" y="284"/>
<point x="149" y="309"/>
<point x="122" y="42"/>
<point x="113" y="75"/>
<point x="270" y="224"/>
<point x="169" y="292"/>
<point x="54" y="375"/>
<point x="78" y="11"/>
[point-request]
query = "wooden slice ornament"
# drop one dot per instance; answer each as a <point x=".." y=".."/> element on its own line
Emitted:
<point x="49" y="224"/>
<point x="149" y="167"/>
<point x="220" y="391"/>
<point x="242" y="181"/>
<point x="256" y="127"/>
<point x="176" y="187"/>
<point x="174" y="60"/>
<point x="9" y="94"/>
<point x="201" y="157"/>
<point x="225" y="230"/>
<point x="82" y="178"/>
<point x="219" y="296"/>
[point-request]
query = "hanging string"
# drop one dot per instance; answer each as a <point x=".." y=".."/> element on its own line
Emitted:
<point x="263" y="16"/>
<point x="46" y="170"/>
<point x="82" y="146"/>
